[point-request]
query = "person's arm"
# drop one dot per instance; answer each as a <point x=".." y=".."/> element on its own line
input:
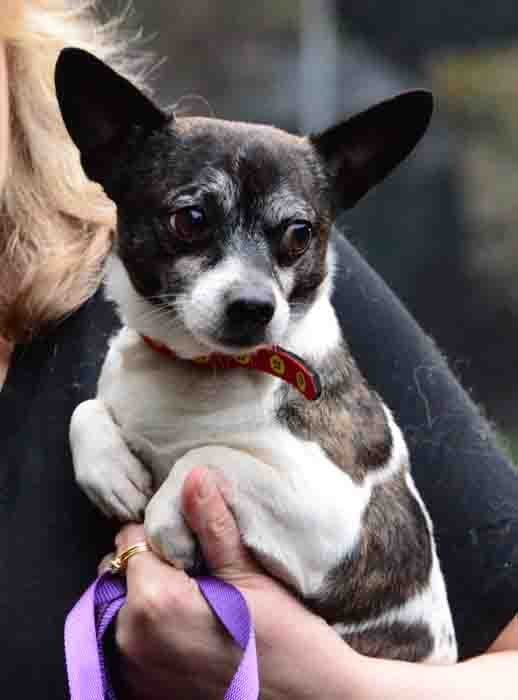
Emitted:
<point x="507" y="640"/>
<point x="171" y="645"/>
<point x="485" y="677"/>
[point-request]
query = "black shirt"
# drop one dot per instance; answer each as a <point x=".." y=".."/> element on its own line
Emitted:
<point x="52" y="538"/>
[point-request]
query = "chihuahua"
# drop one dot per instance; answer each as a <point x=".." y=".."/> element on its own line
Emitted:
<point x="231" y="357"/>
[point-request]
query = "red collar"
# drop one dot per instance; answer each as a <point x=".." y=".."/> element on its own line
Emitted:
<point x="275" y="361"/>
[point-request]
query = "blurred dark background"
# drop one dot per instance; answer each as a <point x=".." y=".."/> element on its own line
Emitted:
<point x="442" y="231"/>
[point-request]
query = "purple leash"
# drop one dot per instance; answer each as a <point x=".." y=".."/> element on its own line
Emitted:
<point x="89" y="619"/>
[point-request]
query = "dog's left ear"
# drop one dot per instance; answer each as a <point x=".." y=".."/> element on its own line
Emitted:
<point x="101" y="110"/>
<point x="362" y="151"/>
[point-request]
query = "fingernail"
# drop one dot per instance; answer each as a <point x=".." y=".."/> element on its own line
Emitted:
<point x="205" y="486"/>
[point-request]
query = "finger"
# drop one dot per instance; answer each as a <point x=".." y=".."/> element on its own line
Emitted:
<point x="126" y="537"/>
<point x="158" y="598"/>
<point x="105" y="564"/>
<point x="209" y="517"/>
<point x="129" y="535"/>
<point x="151" y="582"/>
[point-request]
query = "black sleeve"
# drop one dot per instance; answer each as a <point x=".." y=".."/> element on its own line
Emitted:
<point x="469" y="485"/>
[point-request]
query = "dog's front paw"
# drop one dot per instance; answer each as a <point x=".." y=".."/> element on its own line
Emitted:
<point x="116" y="493"/>
<point x="168" y="533"/>
<point x="113" y="478"/>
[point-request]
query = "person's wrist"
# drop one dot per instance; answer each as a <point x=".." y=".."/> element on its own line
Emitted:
<point x="307" y="660"/>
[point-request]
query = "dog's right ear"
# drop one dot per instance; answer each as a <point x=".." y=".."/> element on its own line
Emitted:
<point x="101" y="109"/>
<point x="360" y="152"/>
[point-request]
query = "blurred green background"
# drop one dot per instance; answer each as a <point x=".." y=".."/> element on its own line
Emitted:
<point x="442" y="231"/>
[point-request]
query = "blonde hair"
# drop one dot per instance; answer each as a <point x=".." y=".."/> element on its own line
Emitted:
<point x="55" y="225"/>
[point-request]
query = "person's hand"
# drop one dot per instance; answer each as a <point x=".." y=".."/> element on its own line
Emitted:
<point x="170" y="643"/>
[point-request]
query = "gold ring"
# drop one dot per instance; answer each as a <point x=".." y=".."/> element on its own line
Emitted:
<point x="118" y="564"/>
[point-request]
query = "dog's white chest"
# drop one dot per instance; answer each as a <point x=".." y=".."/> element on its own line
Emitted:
<point x="166" y="408"/>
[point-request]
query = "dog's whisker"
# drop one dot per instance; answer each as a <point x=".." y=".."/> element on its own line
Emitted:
<point x="164" y="297"/>
<point x="155" y="314"/>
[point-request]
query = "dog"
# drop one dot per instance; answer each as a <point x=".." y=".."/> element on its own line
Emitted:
<point x="231" y="356"/>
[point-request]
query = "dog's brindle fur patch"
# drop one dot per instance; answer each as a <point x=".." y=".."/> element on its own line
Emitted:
<point x="348" y="420"/>
<point x="395" y="641"/>
<point x="391" y="563"/>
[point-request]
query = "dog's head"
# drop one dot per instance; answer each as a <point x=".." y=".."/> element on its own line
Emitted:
<point x="222" y="227"/>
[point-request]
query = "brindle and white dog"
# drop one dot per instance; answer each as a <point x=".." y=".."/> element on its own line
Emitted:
<point x="223" y="247"/>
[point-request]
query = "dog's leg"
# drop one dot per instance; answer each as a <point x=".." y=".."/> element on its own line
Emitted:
<point x="105" y="468"/>
<point x="299" y="521"/>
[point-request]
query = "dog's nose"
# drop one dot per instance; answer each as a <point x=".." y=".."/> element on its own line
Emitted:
<point x="251" y="308"/>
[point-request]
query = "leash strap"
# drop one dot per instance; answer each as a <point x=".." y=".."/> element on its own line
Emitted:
<point x="87" y="622"/>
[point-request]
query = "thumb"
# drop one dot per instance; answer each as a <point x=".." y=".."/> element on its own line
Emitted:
<point x="209" y="517"/>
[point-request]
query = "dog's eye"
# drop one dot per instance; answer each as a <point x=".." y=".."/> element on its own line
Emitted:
<point x="296" y="239"/>
<point x="190" y="223"/>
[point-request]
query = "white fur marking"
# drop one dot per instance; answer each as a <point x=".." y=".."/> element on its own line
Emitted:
<point x="204" y="306"/>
